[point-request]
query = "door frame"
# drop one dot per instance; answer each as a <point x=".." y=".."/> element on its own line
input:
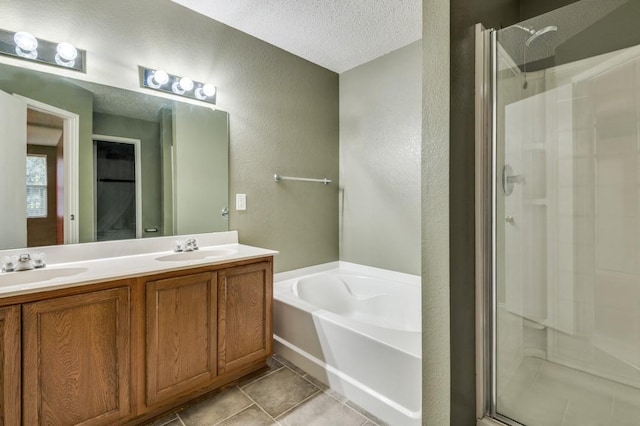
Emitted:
<point x="138" y="175"/>
<point x="71" y="165"/>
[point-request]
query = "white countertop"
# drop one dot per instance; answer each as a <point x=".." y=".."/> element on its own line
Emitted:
<point x="72" y="274"/>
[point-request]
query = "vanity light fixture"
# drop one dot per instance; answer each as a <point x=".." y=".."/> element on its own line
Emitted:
<point x="176" y="85"/>
<point x="24" y="45"/>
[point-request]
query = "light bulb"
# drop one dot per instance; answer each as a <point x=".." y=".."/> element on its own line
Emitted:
<point x="209" y="89"/>
<point x="205" y="91"/>
<point x="186" y="84"/>
<point x="25" y="41"/>
<point x="158" y="78"/>
<point x="66" y="55"/>
<point x="183" y="85"/>
<point x="26" y="45"/>
<point x="67" y="51"/>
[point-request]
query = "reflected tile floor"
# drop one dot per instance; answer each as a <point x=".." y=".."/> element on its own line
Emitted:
<point x="542" y="393"/>
<point x="283" y="395"/>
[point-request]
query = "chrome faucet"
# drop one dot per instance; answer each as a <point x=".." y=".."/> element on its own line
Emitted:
<point x="24" y="263"/>
<point x="191" y="244"/>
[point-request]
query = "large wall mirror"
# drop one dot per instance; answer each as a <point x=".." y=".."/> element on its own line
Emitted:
<point x="86" y="162"/>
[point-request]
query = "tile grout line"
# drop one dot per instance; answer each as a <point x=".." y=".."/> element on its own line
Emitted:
<point x="344" y="403"/>
<point x="259" y="406"/>
<point x="366" y="418"/>
<point x="301" y="402"/>
<point x="267" y="374"/>
<point x="294" y="371"/>
<point x="180" y="418"/>
<point x="234" y="413"/>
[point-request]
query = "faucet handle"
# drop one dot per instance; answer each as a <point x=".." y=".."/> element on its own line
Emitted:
<point x="39" y="260"/>
<point x="9" y="263"/>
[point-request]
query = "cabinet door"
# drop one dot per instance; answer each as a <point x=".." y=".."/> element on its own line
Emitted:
<point x="244" y="315"/>
<point x="10" y="366"/>
<point x="181" y="333"/>
<point x="76" y="359"/>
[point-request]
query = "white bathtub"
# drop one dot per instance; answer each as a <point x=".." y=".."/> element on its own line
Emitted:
<point x="358" y="330"/>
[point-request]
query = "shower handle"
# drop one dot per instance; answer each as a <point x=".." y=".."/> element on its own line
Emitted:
<point x="509" y="179"/>
<point x="516" y="179"/>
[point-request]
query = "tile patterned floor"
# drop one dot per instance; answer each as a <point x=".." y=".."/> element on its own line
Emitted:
<point x="542" y="393"/>
<point x="284" y="395"/>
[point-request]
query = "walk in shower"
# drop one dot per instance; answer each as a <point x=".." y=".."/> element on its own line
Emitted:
<point x="561" y="335"/>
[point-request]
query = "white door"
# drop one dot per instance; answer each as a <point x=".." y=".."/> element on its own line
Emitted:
<point x="13" y="182"/>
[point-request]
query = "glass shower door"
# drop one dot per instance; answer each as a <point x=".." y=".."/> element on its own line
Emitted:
<point x="566" y="300"/>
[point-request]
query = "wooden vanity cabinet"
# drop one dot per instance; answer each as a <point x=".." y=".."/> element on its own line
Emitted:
<point x="123" y="352"/>
<point x="244" y="315"/>
<point x="203" y="328"/>
<point x="10" y="366"/>
<point x="181" y="334"/>
<point x="76" y="359"/>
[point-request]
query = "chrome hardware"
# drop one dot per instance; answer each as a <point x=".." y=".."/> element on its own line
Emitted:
<point x="9" y="263"/>
<point x="509" y="179"/>
<point x="189" y="245"/>
<point x="278" y="178"/>
<point x="517" y="179"/>
<point x="39" y="260"/>
<point x="509" y="219"/>
<point x="24" y="263"/>
<point x="225" y="213"/>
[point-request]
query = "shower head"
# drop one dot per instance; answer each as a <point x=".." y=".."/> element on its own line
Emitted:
<point x="539" y="33"/>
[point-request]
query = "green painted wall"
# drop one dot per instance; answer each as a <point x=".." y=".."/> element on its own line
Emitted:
<point x="283" y="110"/>
<point x="380" y="141"/>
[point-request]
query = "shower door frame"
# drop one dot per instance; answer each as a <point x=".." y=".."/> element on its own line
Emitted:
<point x="486" y="139"/>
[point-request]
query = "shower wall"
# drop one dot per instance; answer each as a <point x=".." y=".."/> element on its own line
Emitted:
<point x="574" y="279"/>
<point x="380" y="144"/>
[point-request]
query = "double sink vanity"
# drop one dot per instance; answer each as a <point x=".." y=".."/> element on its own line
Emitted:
<point x="122" y="332"/>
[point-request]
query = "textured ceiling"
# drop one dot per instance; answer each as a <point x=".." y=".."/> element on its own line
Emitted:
<point x="336" y="34"/>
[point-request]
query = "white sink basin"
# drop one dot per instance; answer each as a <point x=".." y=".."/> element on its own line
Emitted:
<point x="37" y="275"/>
<point x="197" y="255"/>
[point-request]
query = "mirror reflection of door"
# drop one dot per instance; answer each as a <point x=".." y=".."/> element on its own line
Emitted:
<point x="117" y="190"/>
<point x="13" y="138"/>
<point x="44" y="174"/>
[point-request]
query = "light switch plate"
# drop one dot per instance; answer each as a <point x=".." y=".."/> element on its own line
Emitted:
<point x="241" y="201"/>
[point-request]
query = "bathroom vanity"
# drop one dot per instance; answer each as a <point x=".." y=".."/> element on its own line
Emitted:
<point x="123" y="340"/>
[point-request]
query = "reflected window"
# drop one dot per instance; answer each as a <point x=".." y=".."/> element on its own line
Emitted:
<point x="36" y="186"/>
